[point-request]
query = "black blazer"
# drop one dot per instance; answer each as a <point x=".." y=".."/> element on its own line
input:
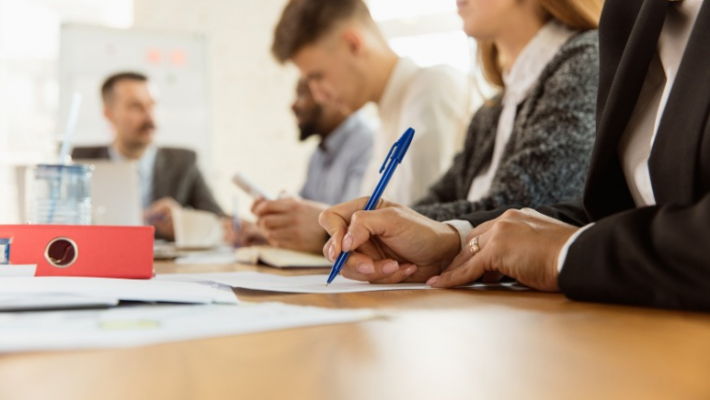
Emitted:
<point x="175" y="175"/>
<point x="650" y="256"/>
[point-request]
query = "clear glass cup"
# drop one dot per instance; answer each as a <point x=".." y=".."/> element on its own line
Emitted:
<point x="59" y="194"/>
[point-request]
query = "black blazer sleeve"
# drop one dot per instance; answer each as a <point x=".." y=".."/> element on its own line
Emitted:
<point x="571" y="212"/>
<point x="652" y="256"/>
<point x="90" y="153"/>
<point x="177" y="175"/>
<point x="201" y="197"/>
<point x="655" y="255"/>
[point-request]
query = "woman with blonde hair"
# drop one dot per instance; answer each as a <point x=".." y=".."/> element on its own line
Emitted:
<point x="531" y="144"/>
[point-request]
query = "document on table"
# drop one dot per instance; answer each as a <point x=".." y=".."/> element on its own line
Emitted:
<point x="218" y="256"/>
<point x="145" y="325"/>
<point x="31" y="293"/>
<point x="307" y="283"/>
<point x="281" y="258"/>
<point x="16" y="302"/>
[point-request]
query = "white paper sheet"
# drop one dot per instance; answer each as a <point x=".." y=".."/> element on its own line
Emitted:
<point x="145" y="325"/>
<point x="152" y="290"/>
<point x="15" y="302"/>
<point x="16" y="271"/>
<point x="306" y="283"/>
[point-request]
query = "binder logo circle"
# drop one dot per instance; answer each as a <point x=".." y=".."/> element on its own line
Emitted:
<point x="61" y="252"/>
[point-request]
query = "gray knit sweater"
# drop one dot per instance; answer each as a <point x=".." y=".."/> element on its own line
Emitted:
<point x="546" y="159"/>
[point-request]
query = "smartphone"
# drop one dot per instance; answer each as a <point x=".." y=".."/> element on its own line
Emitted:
<point x="250" y="187"/>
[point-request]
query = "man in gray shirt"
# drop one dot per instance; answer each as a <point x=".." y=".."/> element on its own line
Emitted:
<point x="335" y="171"/>
<point x="337" y="167"/>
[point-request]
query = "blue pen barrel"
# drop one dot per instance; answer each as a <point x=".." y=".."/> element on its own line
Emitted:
<point x="342" y="258"/>
<point x="394" y="158"/>
<point x="381" y="186"/>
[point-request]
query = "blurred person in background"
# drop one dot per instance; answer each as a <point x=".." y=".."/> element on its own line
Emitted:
<point x="346" y="60"/>
<point x="168" y="177"/>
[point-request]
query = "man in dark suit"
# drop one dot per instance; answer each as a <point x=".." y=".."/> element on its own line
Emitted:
<point x="639" y="235"/>
<point x="169" y="177"/>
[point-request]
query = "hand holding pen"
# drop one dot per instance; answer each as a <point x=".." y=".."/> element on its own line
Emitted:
<point x="391" y="244"/>
<point x="393" y="159"/>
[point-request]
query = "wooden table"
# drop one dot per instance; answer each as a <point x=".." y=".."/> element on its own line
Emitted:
<point x="444" y="344"/>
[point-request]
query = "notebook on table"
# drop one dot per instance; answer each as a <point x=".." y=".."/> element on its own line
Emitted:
<point x="280" y="258"/>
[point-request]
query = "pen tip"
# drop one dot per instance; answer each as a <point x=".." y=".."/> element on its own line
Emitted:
<point x="327" y="284"/>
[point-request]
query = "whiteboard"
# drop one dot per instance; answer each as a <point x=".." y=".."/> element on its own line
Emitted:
<point x="175" y="63"/>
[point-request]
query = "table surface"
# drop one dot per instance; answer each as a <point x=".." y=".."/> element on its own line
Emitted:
<point x="435" y="344"/>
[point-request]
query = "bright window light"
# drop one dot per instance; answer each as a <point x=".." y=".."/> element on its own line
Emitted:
<point x="383" y="10"/>
<point x="450" y="48"/>
<point x="28" y="31"/>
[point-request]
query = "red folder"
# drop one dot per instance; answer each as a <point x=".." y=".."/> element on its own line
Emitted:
<point x="82" y="250"/>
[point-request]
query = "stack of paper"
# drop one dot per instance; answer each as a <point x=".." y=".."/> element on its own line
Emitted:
<point x="310" y="283"/>
<point x="144" y="325"/>
<point x="62" y="292"/>
<point x="15" y="302"/>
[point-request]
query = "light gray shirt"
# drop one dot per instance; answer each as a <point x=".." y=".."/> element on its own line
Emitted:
<point x="144" y="168"/>
<point x="336" y="169"/>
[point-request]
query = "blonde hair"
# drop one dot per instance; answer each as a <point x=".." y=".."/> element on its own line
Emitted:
<point x="576" y="14"/>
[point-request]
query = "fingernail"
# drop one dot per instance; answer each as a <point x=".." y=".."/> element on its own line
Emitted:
<point x="347" y="242"/>
<point x="366" y="268"/>
<point x="331" y="252"/>
<point x="410" y="270"/>
<point x="432" y="281"/>
<point x="390" y="267"/>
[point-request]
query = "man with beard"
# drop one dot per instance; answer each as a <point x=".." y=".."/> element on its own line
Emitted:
<point x="338" y="165"/>
<point x="168" y="177"/>
<point x="335" y="171"/>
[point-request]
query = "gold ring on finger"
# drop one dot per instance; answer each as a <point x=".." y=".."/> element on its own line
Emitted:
<point x="473" y="246"/>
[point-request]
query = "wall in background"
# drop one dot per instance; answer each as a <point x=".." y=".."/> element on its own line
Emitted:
<point x="250" y="94"/>
<point x="253" y="129"/>
<point x="29" y="88"/>
<point x="173" y="60"/>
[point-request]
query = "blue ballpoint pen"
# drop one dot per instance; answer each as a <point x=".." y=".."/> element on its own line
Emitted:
<point x="394" y="158"/>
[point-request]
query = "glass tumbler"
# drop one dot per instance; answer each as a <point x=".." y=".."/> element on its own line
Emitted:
<point x="59" y="194"/>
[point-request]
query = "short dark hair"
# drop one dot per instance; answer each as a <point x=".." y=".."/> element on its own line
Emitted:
<point x="111" y="81"/>
<point x="304" y="22"/>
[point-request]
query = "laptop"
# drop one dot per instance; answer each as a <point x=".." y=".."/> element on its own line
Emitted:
<point x="115" y="193"/>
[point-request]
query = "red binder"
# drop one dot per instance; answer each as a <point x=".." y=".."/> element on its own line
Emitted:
<point x="81" y="250"/>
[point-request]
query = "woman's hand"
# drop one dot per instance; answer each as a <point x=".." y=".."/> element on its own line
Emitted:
<point x="524" y="245"/>
<point x="390" y="244"/>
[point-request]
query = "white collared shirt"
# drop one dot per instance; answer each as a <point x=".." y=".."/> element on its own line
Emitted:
<point x="433" y="101"/>
<point x="519" y="81"/>
<point x="144" y="167"/>
<point x="637" y="142"/>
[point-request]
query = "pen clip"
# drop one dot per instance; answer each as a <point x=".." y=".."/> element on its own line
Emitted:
<point x="389" y="155"/>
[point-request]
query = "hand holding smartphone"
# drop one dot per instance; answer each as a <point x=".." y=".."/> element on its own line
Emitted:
<point x="250" y="187"/>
